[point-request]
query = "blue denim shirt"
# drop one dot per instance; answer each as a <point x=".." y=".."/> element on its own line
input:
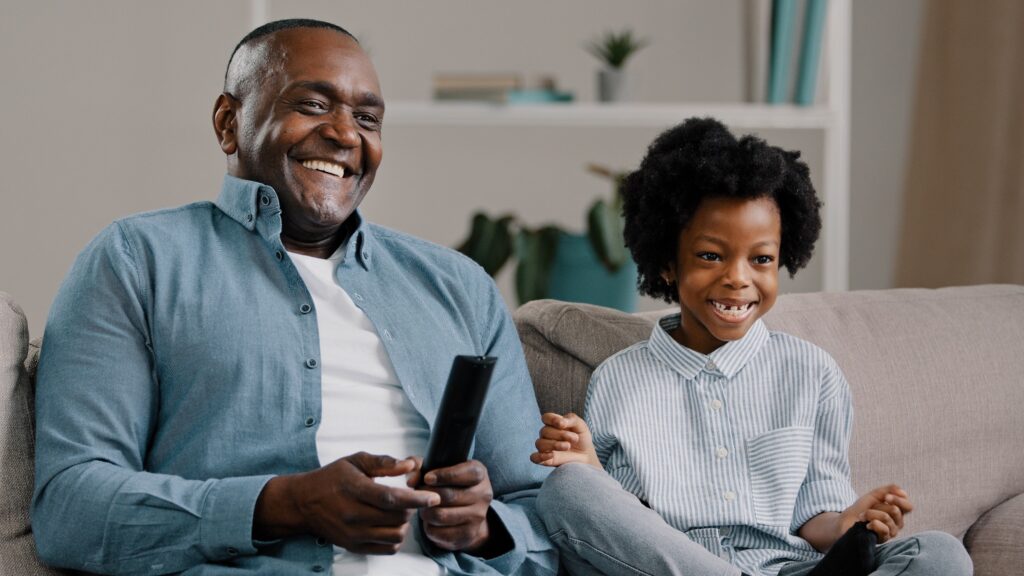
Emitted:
<point x="180" y="372"/>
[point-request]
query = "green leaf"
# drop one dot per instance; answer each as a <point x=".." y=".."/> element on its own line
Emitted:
<point x="604" y="229"/>
<point x="615" y="48"/>
<point x="535" y="250"/>
<point x="489" y="242"/>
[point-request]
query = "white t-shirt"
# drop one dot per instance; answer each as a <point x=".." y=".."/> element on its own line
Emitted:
<point x="364" y="408"/>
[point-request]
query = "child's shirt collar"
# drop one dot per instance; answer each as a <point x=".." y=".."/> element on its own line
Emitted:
<point x="727" y="360"/>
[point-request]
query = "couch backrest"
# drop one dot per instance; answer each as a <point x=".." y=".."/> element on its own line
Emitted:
<point x="937" y="378"/>
<point x="17" y="548"/>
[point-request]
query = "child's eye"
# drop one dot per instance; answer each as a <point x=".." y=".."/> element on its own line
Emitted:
<point x="709" y="256"/>
<point x="764" y="259"/>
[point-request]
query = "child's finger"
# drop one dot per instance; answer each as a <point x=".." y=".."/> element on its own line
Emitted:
<point x="901" y="501"/>
<point x="883" y="519"/>
<point x="544" y="445"/>
<point x="894" y="512"/>
<point x="552" y="433"/>
<point x="879" y="528"/>
<point x="542" y="458"/>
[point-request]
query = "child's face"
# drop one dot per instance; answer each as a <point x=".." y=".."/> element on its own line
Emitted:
<point x="726" y="270"/>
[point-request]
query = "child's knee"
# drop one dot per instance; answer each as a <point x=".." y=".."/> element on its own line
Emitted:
<point x="943" y="553"/>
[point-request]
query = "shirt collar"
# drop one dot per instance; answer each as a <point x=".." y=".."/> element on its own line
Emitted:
<point x="727" y="360"/>
<point x="256" y="207"/>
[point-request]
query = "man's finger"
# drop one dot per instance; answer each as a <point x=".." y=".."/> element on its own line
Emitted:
<point x="447" y="516"/>
<point x="381" y="465"/>
<point x="392" y="498"/>
<point x="468" y="473"/>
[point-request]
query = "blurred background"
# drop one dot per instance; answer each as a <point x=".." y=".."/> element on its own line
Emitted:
<point x="914" y="135"/>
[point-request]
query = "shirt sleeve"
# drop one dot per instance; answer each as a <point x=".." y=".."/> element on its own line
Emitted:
<point x="827" y="487"/>
<point x="504" y="441"/>
<point x="95" y="508"/>
<point x="594" y="413"/>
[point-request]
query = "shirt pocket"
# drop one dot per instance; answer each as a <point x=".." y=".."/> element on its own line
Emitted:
<point x="777" y="464"/>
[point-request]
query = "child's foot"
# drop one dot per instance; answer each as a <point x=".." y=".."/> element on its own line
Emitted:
<point x="852" y="555"/>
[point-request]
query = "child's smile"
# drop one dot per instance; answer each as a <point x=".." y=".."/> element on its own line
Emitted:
<point x="726" y="270"/>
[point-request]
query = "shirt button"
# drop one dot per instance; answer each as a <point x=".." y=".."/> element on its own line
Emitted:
<point x="366" y="255"/>
<point x="305" y="308"/>
<point x="357" y="296"/>
<point x="279" y="255"/>
<point x="248" y="217"/>
<point x="321" y="541"/>
<point x="310" y="421"/>
<point x="710" y="366"/>
<point x="311" y="363"/>
<point x="232" y="552"/>
<point x="716" y="404"/>
<point x="318" y="568"/>
<point x="265" y="200"/>
<point x="721" y="452"/>
<point x="729" y="495"/>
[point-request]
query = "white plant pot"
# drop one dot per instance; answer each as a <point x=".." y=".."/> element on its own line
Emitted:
<point x="611" y="85"/>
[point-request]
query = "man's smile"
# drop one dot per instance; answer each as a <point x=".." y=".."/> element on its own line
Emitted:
<point x="327" y="167"/>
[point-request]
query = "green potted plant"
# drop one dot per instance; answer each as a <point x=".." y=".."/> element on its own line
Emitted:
<point x="613" y="49"/>
<point x="553" y="263"/>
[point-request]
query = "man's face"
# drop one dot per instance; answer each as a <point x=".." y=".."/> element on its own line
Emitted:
<point x="726" y="270"/>
<point x="311" y="128"/>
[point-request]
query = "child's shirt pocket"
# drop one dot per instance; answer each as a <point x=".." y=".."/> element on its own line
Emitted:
<point x="777" y="464"/>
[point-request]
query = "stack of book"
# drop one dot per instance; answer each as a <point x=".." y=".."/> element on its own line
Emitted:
<point x="497" y="88"/>
<point x="773" y="48"/>
<point x="478" y="87"/>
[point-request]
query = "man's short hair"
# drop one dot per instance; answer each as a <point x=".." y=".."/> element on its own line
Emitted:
<point x="276" y="26"/>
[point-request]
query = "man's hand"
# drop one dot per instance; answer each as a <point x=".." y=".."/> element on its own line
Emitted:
<point x="564" y="439"/>
<point x="882" y="508"/>
<point x="459" y="523"/>
<point x="343" y="504"/>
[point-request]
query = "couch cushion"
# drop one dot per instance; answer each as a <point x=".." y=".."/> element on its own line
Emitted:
<point x="936" y="377"/>
<point x="17" y="548"/>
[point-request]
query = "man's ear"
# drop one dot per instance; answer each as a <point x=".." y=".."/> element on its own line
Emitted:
<point x="225" y="122"/>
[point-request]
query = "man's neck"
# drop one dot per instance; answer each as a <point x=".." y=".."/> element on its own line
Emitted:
<point x="322" y="247"/>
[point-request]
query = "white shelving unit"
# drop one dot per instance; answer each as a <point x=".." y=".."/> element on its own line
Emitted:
<point x="832" y="119"/>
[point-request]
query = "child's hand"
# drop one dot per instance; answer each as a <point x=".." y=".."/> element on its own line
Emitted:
<point x="882" y="508"/>
<point x="564" y="439"/>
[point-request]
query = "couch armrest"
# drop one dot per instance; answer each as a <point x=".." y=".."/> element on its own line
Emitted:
<point x="995" y="539"/>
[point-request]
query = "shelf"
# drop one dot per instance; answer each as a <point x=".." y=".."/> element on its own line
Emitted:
<point x="589" y="114"/>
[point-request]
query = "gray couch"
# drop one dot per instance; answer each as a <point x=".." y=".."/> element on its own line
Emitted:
<point x="938" y="385"/>
<point x="937" y="378"/>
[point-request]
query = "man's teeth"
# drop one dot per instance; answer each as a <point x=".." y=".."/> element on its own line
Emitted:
<point x="329" y="167"/>
<point x="732" y="310"/>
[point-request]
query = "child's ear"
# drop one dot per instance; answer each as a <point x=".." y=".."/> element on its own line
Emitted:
<point x="669" y="275"/>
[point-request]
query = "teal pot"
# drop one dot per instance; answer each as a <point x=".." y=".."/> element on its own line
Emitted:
<point x="578" y="276"/>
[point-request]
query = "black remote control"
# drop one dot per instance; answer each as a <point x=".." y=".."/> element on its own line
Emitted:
<point x="461" y="405"/>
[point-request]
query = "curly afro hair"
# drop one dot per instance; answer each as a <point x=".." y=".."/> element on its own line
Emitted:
<point x="701" y="159"/>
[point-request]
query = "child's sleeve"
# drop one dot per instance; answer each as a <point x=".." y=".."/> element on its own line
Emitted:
<point x="596" y="416"/>
<point x="827" y="487"/>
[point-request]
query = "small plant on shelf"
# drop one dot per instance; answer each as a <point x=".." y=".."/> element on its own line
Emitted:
<point x="492" y="242"/>
<point x="614" y="48"/>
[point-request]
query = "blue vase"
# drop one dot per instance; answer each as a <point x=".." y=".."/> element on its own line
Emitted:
<point x="578" y="276"/>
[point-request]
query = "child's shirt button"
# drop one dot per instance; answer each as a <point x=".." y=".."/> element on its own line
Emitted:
<point x="716" y="404"/>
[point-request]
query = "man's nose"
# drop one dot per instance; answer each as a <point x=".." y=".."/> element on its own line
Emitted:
<point x="342" y="129"/>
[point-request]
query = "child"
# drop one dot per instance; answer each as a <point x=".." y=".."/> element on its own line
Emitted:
<point x="718" y="447"/>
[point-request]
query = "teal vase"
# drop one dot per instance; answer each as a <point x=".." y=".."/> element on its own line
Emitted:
<point x="578" y="276"/>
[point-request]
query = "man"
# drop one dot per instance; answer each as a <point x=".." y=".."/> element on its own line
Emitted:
<point x="214" y="376"/>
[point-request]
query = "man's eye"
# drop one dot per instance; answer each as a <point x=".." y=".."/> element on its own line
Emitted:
<point x="313" y="105"/>
<point x="708" y="256"/>
<point x="368" y="119"/>
<point x="764" y="259"/>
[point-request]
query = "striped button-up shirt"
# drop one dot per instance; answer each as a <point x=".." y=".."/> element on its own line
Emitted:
<point x="738" y="448"/>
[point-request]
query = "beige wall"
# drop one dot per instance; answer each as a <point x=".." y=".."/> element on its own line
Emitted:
<point x="106" y="105"/>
